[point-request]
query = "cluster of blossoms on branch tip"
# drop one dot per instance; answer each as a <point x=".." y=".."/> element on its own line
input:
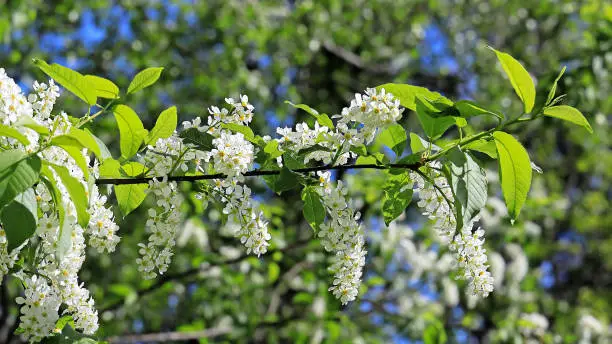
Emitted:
<point x="232" y="155"/>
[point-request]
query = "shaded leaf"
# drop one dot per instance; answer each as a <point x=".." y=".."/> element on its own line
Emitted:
<point x="395" y="138"/>
<point x="469" y="184"/>
<point x="77" y="193"/>
<point x="314" y="210"/>
<point x="18" y="172"/>
<point x="398" y="194"/>
<point x="19" y="219"/>
<point x="202" y="141"/>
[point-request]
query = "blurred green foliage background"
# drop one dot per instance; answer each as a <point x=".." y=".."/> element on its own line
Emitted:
<point x="320" y="53"/>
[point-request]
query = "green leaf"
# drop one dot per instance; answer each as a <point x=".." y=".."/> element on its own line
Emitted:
<point x="19" y="219"/>
<point x="314" y="210"/>
<point x="130" y="196"/>
<point x="131" y="130"/>
<point x="80" y="139"/>
<point x="553" y="89"/>
<point x="104" y="88"/>
<point x="322" y="119"/>
<point x="14" y="133"/>
<point x="360" y="150"/>
<point x="435" y="334"/>
<point x="164" y="126"/>
<point x="398" y="194"/>
<point x="29" y="122"/>
<point x="433" y="126"/>
<point x="313" y="148"/>
<point x="272" y="150"/>
<point x="407" y="94"/>
<point x="69" y="336"/>
<point x="519" y="77"/>
<point x="395" y="138"/>
<point x="419" y="144"/>
<point x="110" y="168"/>
<point x="273" y="272"/>
<point x="569" y="114"/>
<point x="285" y="181"/>
<point x="77" y="156"/>
<point x="242" y="129"/>
<point x="468" y="108"/>
<point x="366" y="160"/>
<point x="469" y="184"/>
<point x="77" y="193"/>
<point x="72" y="80"/>
<point x="202" y="141"/>
<point x="17" y="173"/>
<point x="51" y="184"/>
<point x="514" y="171"/>
<point x="483" y="146"/>
<point x="104" y="152"/>
<point x="411" y="159"/>
<point x="145" y="78"/>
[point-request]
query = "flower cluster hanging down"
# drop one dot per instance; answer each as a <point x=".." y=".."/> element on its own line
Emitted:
<point x="232" y="156"/>
<point x="467" y="245"/>
<point x="60" y="237"/>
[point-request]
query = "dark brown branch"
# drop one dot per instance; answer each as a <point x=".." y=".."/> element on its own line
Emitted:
<point x="170" y="336"/>
<point x="144" y="180"/>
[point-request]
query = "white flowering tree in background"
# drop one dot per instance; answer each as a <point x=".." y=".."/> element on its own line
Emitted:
<point x="59" y="185"/>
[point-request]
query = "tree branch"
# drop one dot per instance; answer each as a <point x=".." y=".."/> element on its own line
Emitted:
<point x="170" y="336"/>
<point x="258" y="172"/>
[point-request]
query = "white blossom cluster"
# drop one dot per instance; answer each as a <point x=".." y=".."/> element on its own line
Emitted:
<point x="39" y="308"/>
<point x="7" y="259"/>
<point x="359" y="123"/>
<point x="370" y="112"/>
<point x="592" y="330"/>
<point x="232" y="156"/>
<point x="466" y="244"/>
<point x="13" y="103"/>
<point x="162" y="223"/>
<point x="343" y="235"/>
<point x="533" y="324"/>
<point x="53" y="284"/>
